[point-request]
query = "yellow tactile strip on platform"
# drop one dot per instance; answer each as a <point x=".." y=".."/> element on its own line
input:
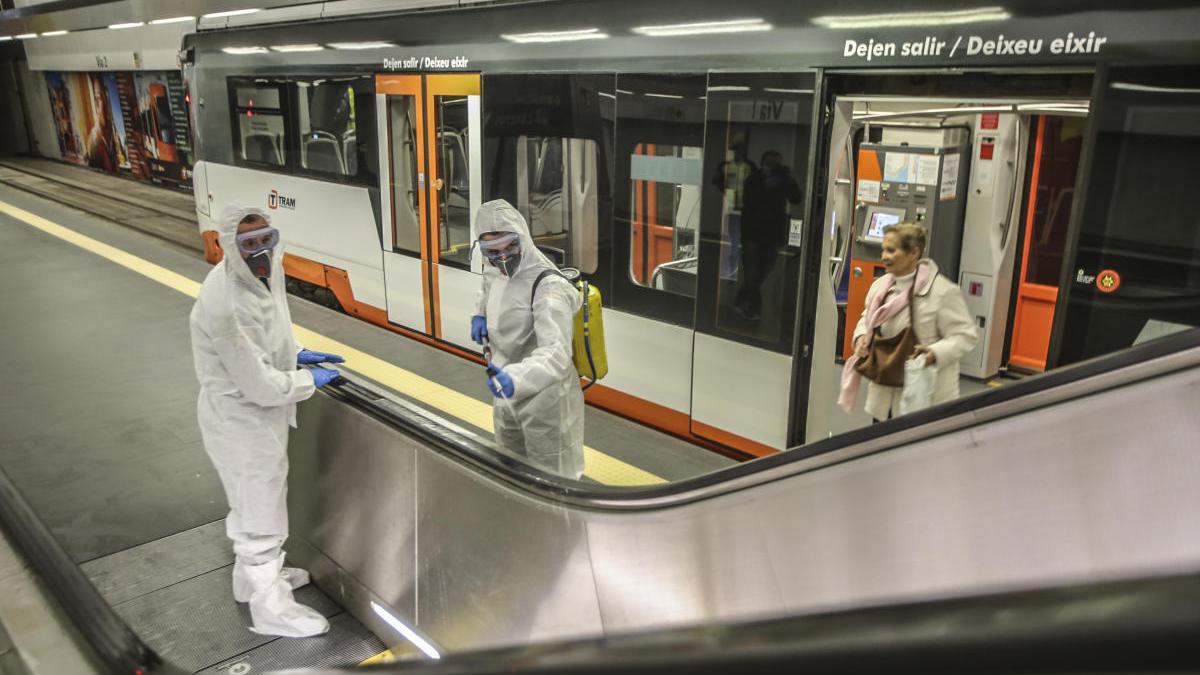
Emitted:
<point x="600" y="467"/>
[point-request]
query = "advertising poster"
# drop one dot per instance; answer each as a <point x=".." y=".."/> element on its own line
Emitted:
<point x="88" y="119"/>
<point x="165" y="148"/>
<point x="124" y="123"/>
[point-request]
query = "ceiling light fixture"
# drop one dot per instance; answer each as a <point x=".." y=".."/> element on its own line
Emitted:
<point x="131" y="24"/>
<point x="297" y="48"/>
<point x="26" y="36"/>
<point x="360" y="45"/>
<point x="663" y="95"/>
<point x="242" y="51"/>
<point x="896" y="19"/>
<point x="557" y="36"/>
<point x="1130" y="86"/>
<point x="53" y="33"/>
<point x="174" y="19"/>
<point x="705" y="28"/>
<point x="5" y="38"/>
<point x="232" y="12"/>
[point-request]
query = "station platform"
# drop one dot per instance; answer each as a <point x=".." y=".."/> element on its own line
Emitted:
<point x="100" y="432"/>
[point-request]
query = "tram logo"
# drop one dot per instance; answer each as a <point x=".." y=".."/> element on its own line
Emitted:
<point x="276" y="200"/>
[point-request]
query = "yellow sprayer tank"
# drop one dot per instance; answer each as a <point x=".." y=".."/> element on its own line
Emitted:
<point x="591" y="361"/>
<point x="587" y="343"/>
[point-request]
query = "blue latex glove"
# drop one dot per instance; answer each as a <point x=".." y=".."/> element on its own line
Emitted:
<point x="500" y="382"/>
<point x="306" y="357"/>
<point x="323" y="376"/>
<point x="478" y="328"/>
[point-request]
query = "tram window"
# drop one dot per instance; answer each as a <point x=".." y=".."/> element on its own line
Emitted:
<point x="756" y="161"/>
<point x="1136" y="273"/>
<point x="665" y="180"/>
<point x="660" y="174"/>
<point x="554" y="188"/>
<point x="454" y="203"/>
<point x="261" y="122"/>
<point x="406" y="204"/>
<point x="335" y="123"/>
<point x="537" y="158"/>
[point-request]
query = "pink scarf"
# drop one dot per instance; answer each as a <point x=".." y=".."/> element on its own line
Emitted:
<point x="877" y="314"/>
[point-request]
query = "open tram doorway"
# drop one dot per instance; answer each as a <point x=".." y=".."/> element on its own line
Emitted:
<point x="988" y="164"/>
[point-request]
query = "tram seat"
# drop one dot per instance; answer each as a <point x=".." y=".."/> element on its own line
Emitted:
<point x="350" y="153"/>
<point x="546" y="214"/>
<point x="323" y="152"/>
<point x="261" y="148"/>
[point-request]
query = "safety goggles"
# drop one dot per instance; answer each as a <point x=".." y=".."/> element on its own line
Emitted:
<point x="257" y="241"/>
<point x="501" y="248"/>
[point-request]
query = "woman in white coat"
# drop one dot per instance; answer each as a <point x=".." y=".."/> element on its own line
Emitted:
<point x="944" y="330"/>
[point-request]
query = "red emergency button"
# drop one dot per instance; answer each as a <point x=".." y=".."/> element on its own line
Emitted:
<point x="1108" y="281"/>
<point x="986" y="150"/>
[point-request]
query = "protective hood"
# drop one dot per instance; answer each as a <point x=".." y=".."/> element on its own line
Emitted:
<point x="500" y="216"/>
<point x="247" y="302"/>
<point x="235" y="265"/>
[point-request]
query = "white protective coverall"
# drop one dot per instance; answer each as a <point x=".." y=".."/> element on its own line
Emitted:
<point x="533" y="345"/>
<point x="245" y="358"/>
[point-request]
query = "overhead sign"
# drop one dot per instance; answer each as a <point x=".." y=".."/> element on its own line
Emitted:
<point x="1072" y="43"/>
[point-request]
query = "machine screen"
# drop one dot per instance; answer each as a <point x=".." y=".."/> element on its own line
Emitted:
<point x="878" y="220"/>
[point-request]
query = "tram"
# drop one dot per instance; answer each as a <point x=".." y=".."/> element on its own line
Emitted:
<point x="1047" y="149"/>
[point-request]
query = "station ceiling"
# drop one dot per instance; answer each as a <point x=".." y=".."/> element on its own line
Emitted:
<point x="25" y="17"/>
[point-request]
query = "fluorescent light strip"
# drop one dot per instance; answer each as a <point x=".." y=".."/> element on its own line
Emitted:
<point x="232" y="12"/>
<point x="663" y="95"/>
<point x="925" y="112"/>
<point x="914" y="18"/>
<point x="704" y="28"/>
<point x="131" y="24"/>
<point x="54" y="33"/>
<point x="1129" y="86"/>
<point x="360" y="45"/>
<point x="605" y="94"/>
<point x="729" y="87"/>
<point x="26" y="36"/>
<point x="557" y="36"/>
<point x="174" y="19"/>
<point x="5" y="38"/>
<point x="408" y="633"/>
<point x="242" y="51"/>
<point x="787" y="91"/>
<point x="297" y="48"/>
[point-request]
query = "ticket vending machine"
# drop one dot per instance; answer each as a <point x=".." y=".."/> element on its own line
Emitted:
<point x="913" y="175"/>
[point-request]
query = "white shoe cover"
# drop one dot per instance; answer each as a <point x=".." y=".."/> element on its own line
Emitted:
<point x="274" y="610"/>
<point x="294" y="576"/>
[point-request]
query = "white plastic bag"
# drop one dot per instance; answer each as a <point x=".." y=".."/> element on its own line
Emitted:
<point x="917" y="393"/>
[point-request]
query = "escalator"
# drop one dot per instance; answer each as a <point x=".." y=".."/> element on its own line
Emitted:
<point x="1088" y="475"/>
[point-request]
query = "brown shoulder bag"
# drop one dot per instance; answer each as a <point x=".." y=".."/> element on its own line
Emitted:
<point x="885" y="359"/>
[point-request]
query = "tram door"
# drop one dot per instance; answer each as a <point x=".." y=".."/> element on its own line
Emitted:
<point x="431" y="192"/>
<point x="755" y="183"/>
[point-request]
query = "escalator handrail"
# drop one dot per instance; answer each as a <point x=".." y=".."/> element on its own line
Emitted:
<point x="114" y="644"/>
<point x="1128" y="626"/>
<point x="1152" y="359"/>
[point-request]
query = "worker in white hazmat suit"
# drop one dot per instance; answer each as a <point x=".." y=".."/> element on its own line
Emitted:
<point x="246" y="360"/>
<point x="538" y="411"/>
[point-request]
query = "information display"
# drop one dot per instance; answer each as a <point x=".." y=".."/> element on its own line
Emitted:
<point x="879" y="219"/>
